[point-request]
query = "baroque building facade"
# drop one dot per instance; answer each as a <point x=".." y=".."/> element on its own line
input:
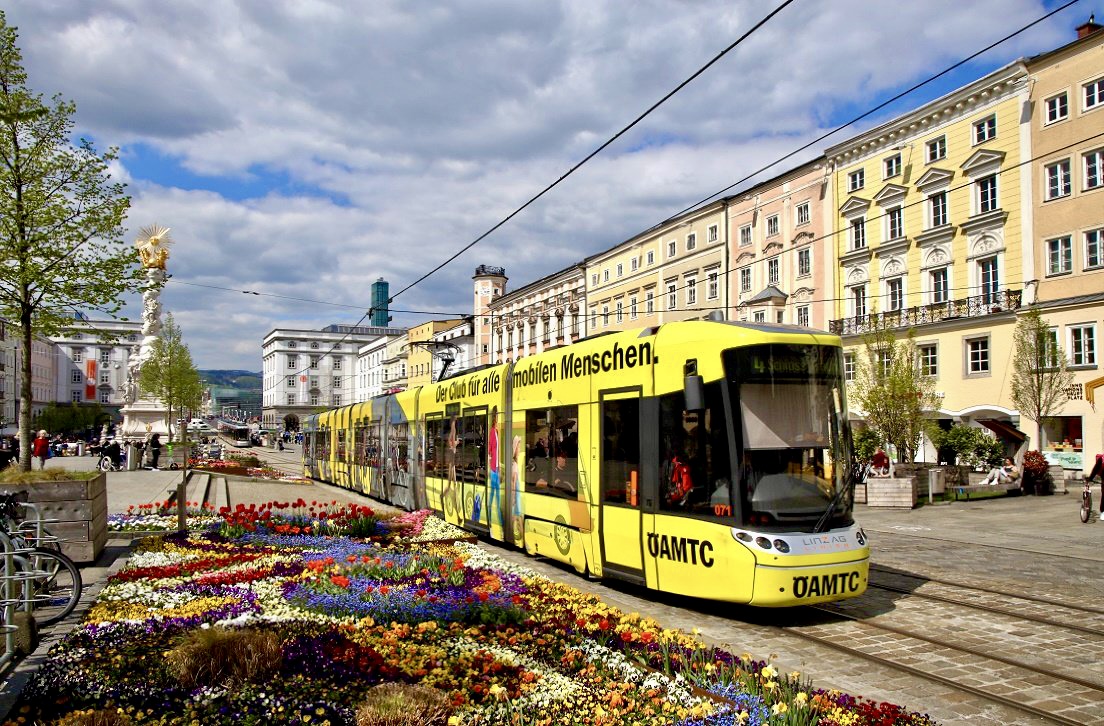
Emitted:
<point x="780" y="247"/>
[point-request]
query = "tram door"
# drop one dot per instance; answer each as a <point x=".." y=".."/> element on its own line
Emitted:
<point x="373" y="450"/>
<point x="399" y="480"/>
<point x="621" y="484"/>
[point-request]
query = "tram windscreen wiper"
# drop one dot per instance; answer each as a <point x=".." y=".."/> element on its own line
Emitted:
<point x="848" y="485"/>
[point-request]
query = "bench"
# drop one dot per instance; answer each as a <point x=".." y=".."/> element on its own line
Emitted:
<point x="968" y="489"/>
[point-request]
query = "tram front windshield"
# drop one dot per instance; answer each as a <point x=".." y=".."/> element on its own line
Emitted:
<point x="794" y="450"/>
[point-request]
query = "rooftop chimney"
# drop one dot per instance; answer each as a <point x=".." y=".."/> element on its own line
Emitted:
<point x="1088" y="28"/>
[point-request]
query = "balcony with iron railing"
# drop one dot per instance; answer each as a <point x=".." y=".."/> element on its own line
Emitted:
<point x="976" y="306"/>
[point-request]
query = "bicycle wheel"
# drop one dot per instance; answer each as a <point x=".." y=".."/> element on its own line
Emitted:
<point x="57" y="589"/>
<point x="1086" y="506"/>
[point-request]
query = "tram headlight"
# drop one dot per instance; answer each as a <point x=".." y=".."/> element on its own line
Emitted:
<point x="742" y="536"/>
<point x="781" y="546"/>
<point x="763" y="542"/>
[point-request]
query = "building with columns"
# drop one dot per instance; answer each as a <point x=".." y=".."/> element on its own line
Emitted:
<point x="545" y="314"/>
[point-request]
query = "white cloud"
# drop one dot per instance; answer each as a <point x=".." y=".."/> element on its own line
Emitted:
<point x="395" y="133"/>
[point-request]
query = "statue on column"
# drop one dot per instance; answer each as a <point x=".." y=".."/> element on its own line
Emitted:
<point x="153" y="245"/>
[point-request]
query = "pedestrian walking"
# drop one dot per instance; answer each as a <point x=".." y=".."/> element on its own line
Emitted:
<point x="40" y="448"/>
<point x="155" y="449"/>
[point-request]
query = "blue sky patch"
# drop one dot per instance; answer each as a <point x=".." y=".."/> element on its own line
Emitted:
<point x="146" y="163"/>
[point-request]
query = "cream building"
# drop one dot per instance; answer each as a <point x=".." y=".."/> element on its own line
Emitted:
<point x="394" y="364"/>
<point x="931" y="240"/>
<point x="674" y="271"/>
<point x="1067" y="224"/>
<point x="781" y="251"/>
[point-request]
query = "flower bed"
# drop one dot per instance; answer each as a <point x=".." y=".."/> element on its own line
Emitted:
<point x="162" y="517"/>
<point x="251" y="468"/>
<point x="301" y="614"/>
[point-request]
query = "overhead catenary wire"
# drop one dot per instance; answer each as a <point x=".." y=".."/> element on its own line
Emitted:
<point x="876" y="108"/>
<point x="600" y="148"/>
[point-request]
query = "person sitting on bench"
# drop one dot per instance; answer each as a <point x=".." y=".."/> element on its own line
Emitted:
<point x="1002" y="475"/>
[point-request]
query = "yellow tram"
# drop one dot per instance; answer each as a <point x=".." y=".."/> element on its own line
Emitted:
<point x="702" y="458"/>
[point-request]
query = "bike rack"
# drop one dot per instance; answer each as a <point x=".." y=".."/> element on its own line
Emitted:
<point x="40" y="536"/>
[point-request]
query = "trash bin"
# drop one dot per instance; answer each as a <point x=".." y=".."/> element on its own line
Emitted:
<point x="937" y="482"/>
<point x="132" y="454"/>
<point x="80" y="448"/>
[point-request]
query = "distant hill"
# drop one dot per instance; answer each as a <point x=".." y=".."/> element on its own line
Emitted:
<point x="246" y="380"/>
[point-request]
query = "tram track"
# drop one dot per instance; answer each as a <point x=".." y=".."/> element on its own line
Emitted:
<point x="1002" y="547"/>
<point x="991" y="590"/>
<point x="837" y="642"/>
<point x="997" y="610"/>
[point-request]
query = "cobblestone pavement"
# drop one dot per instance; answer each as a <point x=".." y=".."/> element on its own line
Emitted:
<point x="1034" y="545"/>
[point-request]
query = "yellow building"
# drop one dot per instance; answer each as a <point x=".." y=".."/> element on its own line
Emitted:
<point x="1067" y="224"/>
<point x="930" y="240"/>
<point x="420" y="358"/>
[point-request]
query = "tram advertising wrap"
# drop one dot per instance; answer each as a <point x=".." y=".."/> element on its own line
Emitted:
<point x="702" y="458"/>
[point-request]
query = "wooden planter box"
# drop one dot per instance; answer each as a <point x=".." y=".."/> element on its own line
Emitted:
<point x="80" y="508"/>
<point x="891" y="492"/>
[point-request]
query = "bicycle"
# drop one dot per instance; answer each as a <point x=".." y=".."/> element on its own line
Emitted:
<point x="51" y="581"/>
<point x="108" y="464"/>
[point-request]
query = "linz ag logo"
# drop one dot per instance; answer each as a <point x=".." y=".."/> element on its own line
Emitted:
<point x="821" y="585"/>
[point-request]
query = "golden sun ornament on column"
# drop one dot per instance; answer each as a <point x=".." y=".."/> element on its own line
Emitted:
<point x="153" y="245"/>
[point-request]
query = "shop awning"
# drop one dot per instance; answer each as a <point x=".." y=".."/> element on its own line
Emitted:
<point x="1003" y="429"/>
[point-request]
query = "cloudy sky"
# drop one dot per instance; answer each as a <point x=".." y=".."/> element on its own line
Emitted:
<point x="305" y="148"/>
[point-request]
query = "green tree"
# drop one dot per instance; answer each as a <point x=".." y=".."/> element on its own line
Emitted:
<point x="61" y="220"/>
<point x="71" y="418"/>
<point x="1040" y="377"/>
<point x="170" y="375"/>
<point x="890" y="389"/>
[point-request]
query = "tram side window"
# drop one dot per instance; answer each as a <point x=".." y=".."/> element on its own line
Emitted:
<point x="359" y="436"/>
<point x="371" y="446"/>
<point x="435" y="447"/>
<point x="324" y="444"/>
<point x="695" y="473"/>
<point x="472" y="437"/>
<point x="552" y="451"/>
<point x="620" y="451"/>
<point x="308" y="446"/>
<point x="399" y="446"/>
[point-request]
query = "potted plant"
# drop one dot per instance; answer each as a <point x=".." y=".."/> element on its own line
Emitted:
<point x="1036" y="474"/>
